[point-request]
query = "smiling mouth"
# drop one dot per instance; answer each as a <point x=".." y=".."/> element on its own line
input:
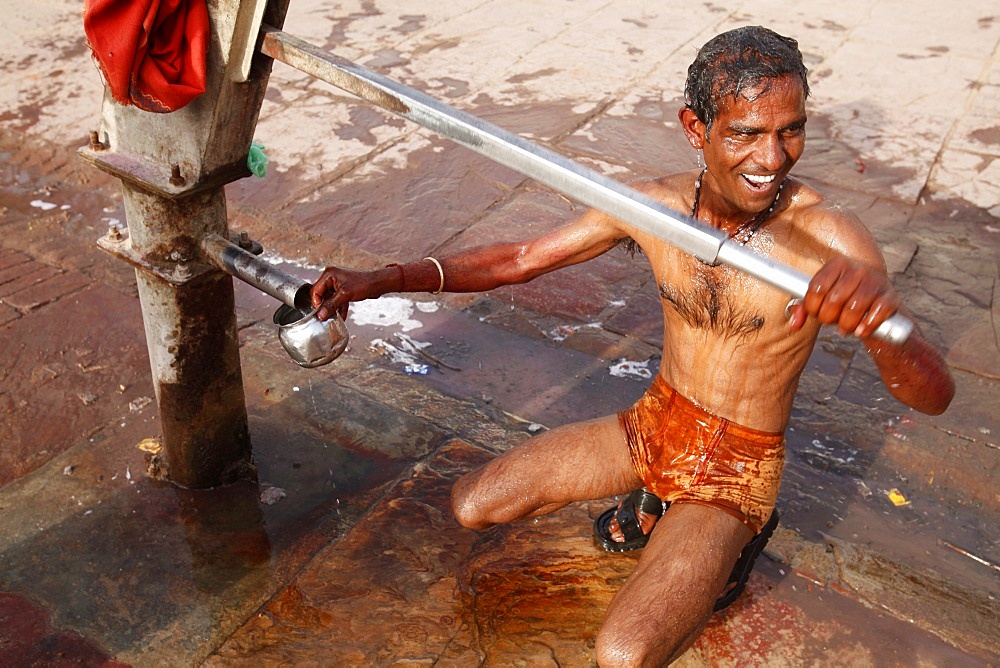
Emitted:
<point x="758" y="181"/>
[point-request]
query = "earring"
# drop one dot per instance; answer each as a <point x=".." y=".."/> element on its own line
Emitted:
<point x="700" y="157"/>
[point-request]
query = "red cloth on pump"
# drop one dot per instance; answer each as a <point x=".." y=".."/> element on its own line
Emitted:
<point x="152" y="53"/>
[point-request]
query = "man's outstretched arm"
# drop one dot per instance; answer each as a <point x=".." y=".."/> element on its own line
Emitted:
<point x="473" y="270"/>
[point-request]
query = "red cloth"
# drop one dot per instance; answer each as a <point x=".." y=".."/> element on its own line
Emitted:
<point x="152" y="53"/>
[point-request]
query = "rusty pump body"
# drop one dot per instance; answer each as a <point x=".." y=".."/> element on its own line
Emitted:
<point x="173" y="169"/>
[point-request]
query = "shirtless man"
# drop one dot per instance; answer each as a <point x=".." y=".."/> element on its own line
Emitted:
<point x="707" y="437"/>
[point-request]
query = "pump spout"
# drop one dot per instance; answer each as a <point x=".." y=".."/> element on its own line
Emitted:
<point x="249" y="268"/>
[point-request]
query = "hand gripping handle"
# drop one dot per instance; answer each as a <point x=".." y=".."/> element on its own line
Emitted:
<point x="895" y="329"/>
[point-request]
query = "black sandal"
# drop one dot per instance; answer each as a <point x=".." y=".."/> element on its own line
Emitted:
<point x="741" y="571"/>
<point x="628" y="520"/>
<point x="651" y="504"/>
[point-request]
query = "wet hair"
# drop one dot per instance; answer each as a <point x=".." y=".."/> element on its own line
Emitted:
<point x="738" y="60"/>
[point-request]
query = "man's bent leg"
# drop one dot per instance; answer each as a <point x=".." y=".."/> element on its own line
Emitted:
<point x="666" y="602"/>
<point x="579" y="461"/>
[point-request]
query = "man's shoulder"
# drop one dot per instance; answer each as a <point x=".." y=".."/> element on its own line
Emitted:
<point x="828" y="221"/>
<point x="810" y="206"/>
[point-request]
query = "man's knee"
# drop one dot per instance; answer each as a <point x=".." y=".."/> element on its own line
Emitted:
<point x="612" y="650"/>
<point x="466" y="504"/>
<point x="653" y="622"/>
<point x="622" y="648"/>
<point x="625" y="647"/>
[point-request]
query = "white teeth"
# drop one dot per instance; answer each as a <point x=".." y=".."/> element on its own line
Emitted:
<point x="756" y="178"/>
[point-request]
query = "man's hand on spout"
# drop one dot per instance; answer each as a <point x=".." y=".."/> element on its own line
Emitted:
<point x="336" y="288"/>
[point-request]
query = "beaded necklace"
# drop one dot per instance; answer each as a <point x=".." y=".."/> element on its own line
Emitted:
<point x="747" y="229"/>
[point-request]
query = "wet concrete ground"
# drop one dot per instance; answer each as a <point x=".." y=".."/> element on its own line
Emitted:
<point x="344" y="552"/>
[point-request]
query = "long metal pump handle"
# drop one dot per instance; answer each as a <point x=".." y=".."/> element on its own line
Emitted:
<point x="585" y="185"/>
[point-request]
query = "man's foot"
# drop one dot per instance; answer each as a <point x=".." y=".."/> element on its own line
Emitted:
<point x="627" y="526"/>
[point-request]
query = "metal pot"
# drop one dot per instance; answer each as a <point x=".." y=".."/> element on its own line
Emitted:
<point x="309" y="341"/>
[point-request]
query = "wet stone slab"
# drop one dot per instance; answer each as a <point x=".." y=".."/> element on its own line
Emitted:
<point x="540" y="588"/>
<point x="537" y="122"/>
<point x="846" y="159"/>
<point x="84" y="374"/>
<point x="796" y="611"/>
<point x="442" y="183"/>
<point x="85" y="548"/>
<point x="438" y="592"/>
<point x="534" y="593"/>
<point x="583" y="292"/>
<point x="526" y="374"/>
<point x="29" y="639"/>
<point x="649" y="141"/>
<point x="900" y="491"/>
<point x="487" y="364"/>
<point x="642" y="315"/>
<point x="394" y="572"/>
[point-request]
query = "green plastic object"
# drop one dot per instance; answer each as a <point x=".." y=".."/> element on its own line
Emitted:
<point x="257" y="160"/>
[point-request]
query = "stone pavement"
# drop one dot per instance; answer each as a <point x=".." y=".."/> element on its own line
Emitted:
<point x="345" y="553"/>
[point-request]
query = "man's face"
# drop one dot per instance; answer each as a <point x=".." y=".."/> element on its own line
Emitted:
<point x="754" y="142"/>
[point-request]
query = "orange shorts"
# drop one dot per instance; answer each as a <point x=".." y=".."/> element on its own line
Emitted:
<point x="684" y="454"/>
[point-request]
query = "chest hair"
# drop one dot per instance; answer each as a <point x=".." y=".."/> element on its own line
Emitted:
<point x="710" y="301"/>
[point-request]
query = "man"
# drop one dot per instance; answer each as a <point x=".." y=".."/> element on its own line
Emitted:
<point x="707" y="438"/>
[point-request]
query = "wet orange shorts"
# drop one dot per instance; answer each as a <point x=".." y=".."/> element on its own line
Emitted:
<point x="684" y="454"/>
